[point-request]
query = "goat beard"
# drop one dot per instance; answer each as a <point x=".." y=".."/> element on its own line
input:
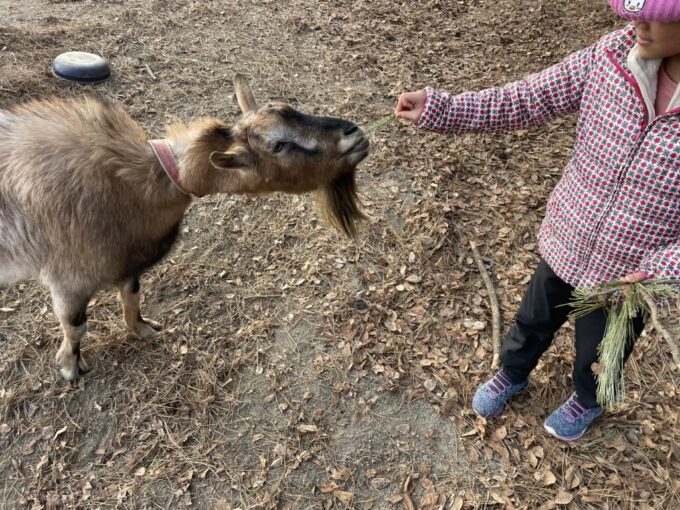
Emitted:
<point x="339" y="203"/>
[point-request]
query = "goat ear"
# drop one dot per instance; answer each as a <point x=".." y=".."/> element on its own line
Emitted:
<point x="244" y="95"/>
<point x="238" y="157"/>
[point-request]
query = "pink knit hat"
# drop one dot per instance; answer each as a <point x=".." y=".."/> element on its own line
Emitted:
<point x="662" y="11"/>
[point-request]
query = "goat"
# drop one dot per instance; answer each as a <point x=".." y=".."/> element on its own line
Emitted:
<point x="87" y="202"/>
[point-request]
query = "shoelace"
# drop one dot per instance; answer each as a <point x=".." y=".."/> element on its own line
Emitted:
<point x="499" y="384"/>
<point x="573" y="409"/>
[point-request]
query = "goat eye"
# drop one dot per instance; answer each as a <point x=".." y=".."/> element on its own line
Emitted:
<point x="279" y="147"/>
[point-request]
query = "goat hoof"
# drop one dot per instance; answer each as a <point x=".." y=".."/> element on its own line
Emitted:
<point x="83" y="367"/>
<point x="155" y="325"/>
<point x="72" y="367"/>
<point x="146" y="327"/>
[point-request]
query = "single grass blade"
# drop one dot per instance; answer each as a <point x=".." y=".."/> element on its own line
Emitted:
<point x="376" y="126"/>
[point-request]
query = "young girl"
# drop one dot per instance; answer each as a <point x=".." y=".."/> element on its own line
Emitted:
<point x="616" y="211"/>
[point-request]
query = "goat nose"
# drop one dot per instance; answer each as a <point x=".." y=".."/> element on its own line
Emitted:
<point x="350" y="130"/>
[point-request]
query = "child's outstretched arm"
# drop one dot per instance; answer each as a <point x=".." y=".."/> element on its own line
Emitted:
<point x="539" y="98"/>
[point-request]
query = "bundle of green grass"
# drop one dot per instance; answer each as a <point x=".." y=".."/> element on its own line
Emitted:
<point x="622" y="303"/>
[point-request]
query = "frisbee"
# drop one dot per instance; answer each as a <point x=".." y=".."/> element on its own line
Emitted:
<point x="81" y="67"/>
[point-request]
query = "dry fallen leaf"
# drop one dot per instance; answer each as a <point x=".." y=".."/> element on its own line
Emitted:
<point x="545" y="477"/>
<point x="533" y="460"/>
<point x="427" y="484"/>
<point x="675" y="451"/>
<point x="341" y="474"/>
<point x="501" y="433"/>
<point x="474" y="325"/>
<point x="497" y="497"/>
<point x="564" y="498"/>
<point x="428" y="500"/>
<point x="329" y="487"/>
<point x="345" y="497"/>
<point x="395" y="498"/>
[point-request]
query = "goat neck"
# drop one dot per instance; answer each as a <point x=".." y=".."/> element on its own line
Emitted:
<point x="168" y="161"/>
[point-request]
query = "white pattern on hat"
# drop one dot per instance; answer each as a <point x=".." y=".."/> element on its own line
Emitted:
<point x="634" y="5"/>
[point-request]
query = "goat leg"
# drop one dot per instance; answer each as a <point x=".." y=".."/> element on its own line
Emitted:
<point x="128" y="292"/>
<point x="71" y="309"/>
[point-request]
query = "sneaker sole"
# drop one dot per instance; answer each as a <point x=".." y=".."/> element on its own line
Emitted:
<point x="490" y="416"/>
<point x="553" y="433"/>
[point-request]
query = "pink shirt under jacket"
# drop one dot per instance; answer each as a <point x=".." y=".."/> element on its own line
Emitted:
<point x="665" y="91"/>
<point x="616" y="209"/>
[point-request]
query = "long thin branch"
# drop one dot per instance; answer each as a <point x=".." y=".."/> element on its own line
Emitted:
<point x="654" y="317"/>
<point x="495" y="309"/>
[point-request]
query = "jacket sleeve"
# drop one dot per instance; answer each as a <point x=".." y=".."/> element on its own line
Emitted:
<point x="663" y="263"/>
<point x="539" y="98"/>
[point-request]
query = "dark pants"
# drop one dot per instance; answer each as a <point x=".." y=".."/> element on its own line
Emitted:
<point x="538" y="319"/>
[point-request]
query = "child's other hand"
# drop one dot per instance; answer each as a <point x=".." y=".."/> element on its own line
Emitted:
<point x="410" y="105"/>
<point x="635" y="277"/>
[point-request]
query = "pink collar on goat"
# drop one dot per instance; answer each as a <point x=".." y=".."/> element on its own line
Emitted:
<point x="163" y="151"/>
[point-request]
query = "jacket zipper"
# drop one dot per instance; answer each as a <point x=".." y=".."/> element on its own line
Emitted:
<point x="633" y="152"/>
<point x="635" y="85"/>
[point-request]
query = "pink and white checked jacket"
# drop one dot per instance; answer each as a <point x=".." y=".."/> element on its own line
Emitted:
<point x="616" y="209"/>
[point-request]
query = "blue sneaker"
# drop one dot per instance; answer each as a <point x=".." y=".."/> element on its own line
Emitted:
<point x="490" y="398"/>
<point x="571" y="420"/>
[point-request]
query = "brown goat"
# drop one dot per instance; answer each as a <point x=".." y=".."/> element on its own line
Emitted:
<point x="86" y="201"/>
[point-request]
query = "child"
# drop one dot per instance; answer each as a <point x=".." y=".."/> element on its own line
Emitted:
<point x="616" y="211"/>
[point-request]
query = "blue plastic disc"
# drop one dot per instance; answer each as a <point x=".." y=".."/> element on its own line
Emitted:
<point x="81" y="67"/>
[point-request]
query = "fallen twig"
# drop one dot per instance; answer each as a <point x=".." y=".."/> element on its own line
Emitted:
<point x="495" y="309"/>
<point x="148" y="70"/>
<point x="654" y="317"/>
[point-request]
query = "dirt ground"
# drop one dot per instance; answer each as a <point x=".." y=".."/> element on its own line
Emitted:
<point x="296" y="369"/>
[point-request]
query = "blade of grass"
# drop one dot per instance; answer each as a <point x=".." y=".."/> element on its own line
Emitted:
<point x="376" y="126"/>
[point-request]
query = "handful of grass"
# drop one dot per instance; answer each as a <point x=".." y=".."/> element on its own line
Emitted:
<point x="621" y="307"/>
<point x="376" y="126"/>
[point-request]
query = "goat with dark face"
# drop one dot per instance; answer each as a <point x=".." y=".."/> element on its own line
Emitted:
<point x="86" y="201"/>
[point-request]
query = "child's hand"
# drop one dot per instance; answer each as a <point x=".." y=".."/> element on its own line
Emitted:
<point x="410" y="105"/>
<point x="635" y="277"/>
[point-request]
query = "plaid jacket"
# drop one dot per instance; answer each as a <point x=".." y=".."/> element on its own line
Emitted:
<point x="616" y="209"/>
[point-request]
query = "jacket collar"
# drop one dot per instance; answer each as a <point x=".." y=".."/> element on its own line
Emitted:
<point x="645" y="72"/>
